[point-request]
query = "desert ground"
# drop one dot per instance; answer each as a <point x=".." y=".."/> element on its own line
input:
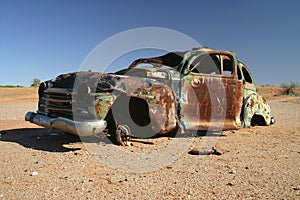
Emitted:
<point x="261" y="162"/>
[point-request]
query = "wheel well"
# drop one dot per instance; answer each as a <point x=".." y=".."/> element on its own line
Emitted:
<point x="127" y="110"/>
<point x="258" y="120"/>
<point x="139" y="111"/>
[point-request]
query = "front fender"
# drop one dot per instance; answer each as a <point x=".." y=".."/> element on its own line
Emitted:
<point x="162" y="106"/>
<point x="159" y="99"/>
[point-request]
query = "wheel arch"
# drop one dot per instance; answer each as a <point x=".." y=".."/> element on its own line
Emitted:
<point x="256" y="111"/>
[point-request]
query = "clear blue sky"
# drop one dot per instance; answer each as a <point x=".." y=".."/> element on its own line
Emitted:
<point x="46" y="38"/>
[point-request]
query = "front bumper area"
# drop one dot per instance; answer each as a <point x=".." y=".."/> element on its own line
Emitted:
<point x="82" y="128"/>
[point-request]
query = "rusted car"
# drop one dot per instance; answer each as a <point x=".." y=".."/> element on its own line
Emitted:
<point x="200" y="89"/>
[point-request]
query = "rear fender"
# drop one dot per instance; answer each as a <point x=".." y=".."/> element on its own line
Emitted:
<point x="255" y="105"/>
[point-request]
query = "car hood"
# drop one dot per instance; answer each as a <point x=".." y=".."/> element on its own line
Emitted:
<point x="121" y="80"/>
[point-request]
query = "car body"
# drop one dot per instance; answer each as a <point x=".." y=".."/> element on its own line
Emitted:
<point x="200" y="89"/>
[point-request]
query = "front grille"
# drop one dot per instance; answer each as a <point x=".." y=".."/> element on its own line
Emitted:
<point x="57" y="102"/>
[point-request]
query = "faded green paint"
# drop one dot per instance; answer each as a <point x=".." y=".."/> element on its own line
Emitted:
<point x="102" y="104"/>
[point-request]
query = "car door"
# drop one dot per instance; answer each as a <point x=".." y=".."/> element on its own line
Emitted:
<point x="209" y="96"/>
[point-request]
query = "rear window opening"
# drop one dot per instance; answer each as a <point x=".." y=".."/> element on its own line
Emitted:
<point x="213" y="64"/>
<point x="247" y="75"/>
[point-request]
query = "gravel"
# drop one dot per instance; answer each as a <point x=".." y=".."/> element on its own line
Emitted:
<point x="254" y="163"/>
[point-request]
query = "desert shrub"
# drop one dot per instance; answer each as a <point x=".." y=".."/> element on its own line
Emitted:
<point x="289" y="88"/>
<point x="35" y="82"/>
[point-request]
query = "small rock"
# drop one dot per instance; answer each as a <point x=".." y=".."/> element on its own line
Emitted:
<point x="34" y="174"/>
<point x="215" y="152"/>
<point x="232" y="171"/>
<point x="195" y="152"/>
<point x="212" y="151"/>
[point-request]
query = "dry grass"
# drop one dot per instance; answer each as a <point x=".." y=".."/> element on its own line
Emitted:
<point x="18" y="94"/>
<point x="272" y="92"/>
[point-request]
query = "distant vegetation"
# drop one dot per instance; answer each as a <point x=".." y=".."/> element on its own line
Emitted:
<point x="11" y="86"/>
<point x="289" y="88"/>
<point x="36" y="82"/>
